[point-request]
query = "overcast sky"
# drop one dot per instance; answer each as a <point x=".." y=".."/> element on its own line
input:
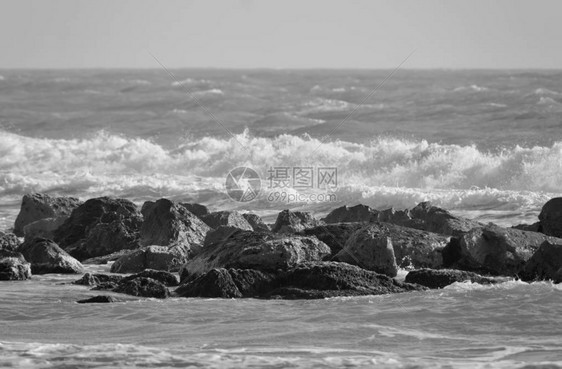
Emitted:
<point x="281" y="34"/>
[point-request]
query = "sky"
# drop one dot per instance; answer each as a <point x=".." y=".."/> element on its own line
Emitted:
<point x="281" y="34"/>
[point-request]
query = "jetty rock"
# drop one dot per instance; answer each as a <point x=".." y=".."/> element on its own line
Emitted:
<point x="440" y="278"/>
<point x="294" y="221"/>
<point x="494" y="250"/>
<point x="43" y="228"/>
<point x="333" y="235"/>
<point x="550" y="217"/>
<point x="226" y="218"/>
<point x="36" y="206"/>
<point x="545" y="264"/>
<point x="347" y="214"/>
<point x="256" y="250"/>
<point x="167" y="223"/>
<point x="196" y="209"/>
<point x="9" y="241"/>
<point x="143" y="287"/>
<point x="46" y="257"/>
<point x="411" y="247"/>
<point x="167" y="258"/>
<point x="256" y="222"/>
<point x="13" y="266"/>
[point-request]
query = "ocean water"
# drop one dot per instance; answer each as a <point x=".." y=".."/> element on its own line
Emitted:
<point x="483" y="144"/>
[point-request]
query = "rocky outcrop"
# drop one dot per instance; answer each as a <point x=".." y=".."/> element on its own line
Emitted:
<point x="9" y="241"/>
<point x="305" y="281"/>
<point x="412" y="247"/>
<point x="89" y="279"/>
<point x="143" y="287"/>
<point x="226" y="218"/>
<point x="104" y="259"/>
<point x="196" y="209"/>
<point x="367" y="249"/>
<point x="347" y="214"/>
<point x="46" y="256"/>
<point x="432" y="278"/>
<point x="294" y="221"/>
<point x="535" y="227"/>
<point x="333" y="235"/>
<point x="256" y="222"/>
<point x="38" y="206"/>
<point x="43" y="228"/>
<point x="494" y="250"/>
<point x="167" y="223"/>
<point x="545" y="264"/>
<point x="98" y="299"/>
<point x="257" y="250"/>
<point x="166" y="278"/>
<point x="550" y="217"/>
<point x="100" y="226"/>
<point x="153" y="257"/>
<point x="13" y="266"/>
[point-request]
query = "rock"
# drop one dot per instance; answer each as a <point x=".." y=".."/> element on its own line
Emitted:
<point x="256" y="222"/>
<point x="89" y="279"/>
<point x="227" y="218"/>
<point x="550" y="217"/>
<point x="358" y="213"/>
<point x="98" y="299"/>
<point x="535" y="227"/>
<point x="107" y="258"/>
<point x="545" y="264"/>
<point x="9" y="241"/>
<point x="294" y="221"/>
<point x="257" y="250"/>
<point x="76" y="229"/>
<point x="46" y="256"/>
<point x="196" y="209"/>
<point x="152" y="257"/>
<point x="412" y="247"/>
<point x="214" y="283"/>
<point x="494" y="250"/>
<point x="167" y="223"/>
<point x="329" y="279"/>
<point x="146" y="206"/>
<point x="143" y="287"/>
<point x="433" y="219"/>
<point x="38" y="206"/>
<point x="43" y="228"/>
<point x="166" y="278"/>
<point x="333" y="235"/>
<point x="367" y="249"/>
<point x="433" y="278"/>
<point x="113" y="233"/>
<point x="13" y="266"/>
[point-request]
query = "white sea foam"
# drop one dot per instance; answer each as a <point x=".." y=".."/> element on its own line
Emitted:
<point x="473" y="87"/>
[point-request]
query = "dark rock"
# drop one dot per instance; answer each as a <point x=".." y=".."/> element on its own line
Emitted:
<point x="257" y="250"/>
<point x="535" y="227"/>
<point x="433" y="219"/>
<point x="38" y="206"/>
<point x="107" y="258"/>
<point x="167" y="223"/>
<point x="220" y="235"/>
<point x="412" y="247"/>
<point x="13" y="266"/>
<point x="294" y="221"/>
<point x="119" y="233"/>
<point x="495" y="250"/>
<point x="9" y="241"/>
<point x="227" y="218"/>
<point x="329" y="279"/>
<point x="333" y="235"/>
<point x="146" y="206"/>
<point x="166" y="278"/>
<point x="43" y="228"/>
<point x="433" y="278"/>
<point x="106" y="286"/>
<point x="98" y="299"/>
<point x="153" y="257"/>
<point x="214" y="283"/>
<point x="105" y="210"/>
<point x="367" y="249"/>
<point x="46" y="256"/>
<point x="197" y="209"/>
<point x="545" y="264"/>
<point x="256" y="222"/>
<point x="358" y="213"/>
<point x="89" y="279"/>
<point x="550" y="217"/>
<point x="144" y="287"/>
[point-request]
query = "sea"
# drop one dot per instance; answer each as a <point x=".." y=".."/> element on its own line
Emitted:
<point x="483" y="144"/>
